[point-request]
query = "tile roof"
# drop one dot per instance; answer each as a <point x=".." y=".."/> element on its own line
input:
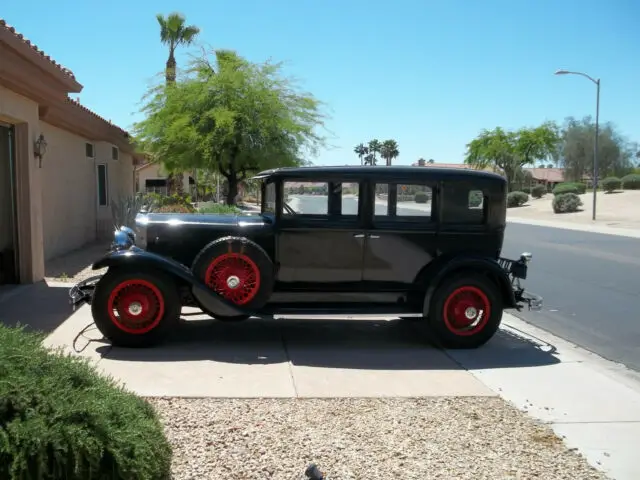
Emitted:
<point x="5" y="26"/>
<point x="553" y="175"/>
<point x="77" y="104"/>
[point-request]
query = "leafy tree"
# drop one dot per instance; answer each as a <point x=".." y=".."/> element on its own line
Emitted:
<point x="361" y="150"/>
<point x="509" y="151"/>
<point x="374" y="148"/>
<point x="431" y="160"/>
<point x="389" y="150"/>
<point x="174" y="33"/>
<point x="575" y="155"/>
<point x="232" y="116"/>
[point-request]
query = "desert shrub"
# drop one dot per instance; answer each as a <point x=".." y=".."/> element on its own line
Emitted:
<point x="610" y="184"/>
<point x="538" y="191"/>
<point x="566" y="202"/>
<point x="421" y="197"/>
<point x="219" y="208"/>
<point x="570" y="187"/>
<point x="475" y="198"/>
<point x="517" y="199"/>
<point x="59" y="418"/>
<point x="176" y="208"/>
<point x="631" y="182"/>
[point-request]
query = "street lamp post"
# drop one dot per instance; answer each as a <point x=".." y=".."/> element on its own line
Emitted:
<point x="595" y="147"/>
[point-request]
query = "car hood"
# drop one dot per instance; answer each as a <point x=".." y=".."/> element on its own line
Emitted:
<point x="223" y="220"/>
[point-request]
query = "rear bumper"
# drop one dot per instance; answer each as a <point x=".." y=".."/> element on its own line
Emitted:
<point x="82" y="292"/>
<point x="534" y="302"/>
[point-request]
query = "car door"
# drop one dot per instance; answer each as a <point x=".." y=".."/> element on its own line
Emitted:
<point x="320" y="239"/>
<point x="401" y="234"/>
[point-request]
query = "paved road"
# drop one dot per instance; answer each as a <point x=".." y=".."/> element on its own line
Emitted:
<point x="590" y="283"/>
<point x="591" y="287"/>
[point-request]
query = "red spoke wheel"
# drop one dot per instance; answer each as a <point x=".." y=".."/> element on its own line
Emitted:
<point x="234" y="276"/>
<point x="239" y="271"/>
<point x="465" y="311"/>
<point x="136" y="306"/>
<point x="135" y="309"/>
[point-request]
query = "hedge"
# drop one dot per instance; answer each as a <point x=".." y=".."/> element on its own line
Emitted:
<point x="421" y="197"/>
<point x="516" y="199"/>
<point x="570" y="187"/>
<point x="610" y="184"/>
<point x="538" y="191"/>
<point x="60" y="419"/>
<point x="631" y="182"/>
<point x="566" y="203"/>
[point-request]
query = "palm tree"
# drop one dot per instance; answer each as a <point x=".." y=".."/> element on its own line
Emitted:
<point x="361" y="150"/>
<point x="389" y="151"/>
<point x="173" y="33"/>
<point x="374" y="147"/>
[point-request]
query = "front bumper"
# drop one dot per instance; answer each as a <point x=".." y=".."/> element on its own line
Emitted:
<point x="82" y="292"/>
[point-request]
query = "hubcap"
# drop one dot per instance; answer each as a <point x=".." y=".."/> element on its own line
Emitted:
<point x="135" y="308"/>
<point x="233" y="281"/>
<point x="471" y="313"/>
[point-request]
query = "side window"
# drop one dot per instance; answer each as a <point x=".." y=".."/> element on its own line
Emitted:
<point x="305" y="198"/>
<point x="464" y="204"/>
<point x="347" y="195"/>
<point x="270" y="198"/>
<point x="404" y="201"/>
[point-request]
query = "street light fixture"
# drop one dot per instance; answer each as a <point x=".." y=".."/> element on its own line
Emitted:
<point x="595" y="148"/>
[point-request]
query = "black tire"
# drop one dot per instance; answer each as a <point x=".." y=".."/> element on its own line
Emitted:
<point x="243" y="259"/>
<point x="153" y="292"/>
<point x="474" y="293"/>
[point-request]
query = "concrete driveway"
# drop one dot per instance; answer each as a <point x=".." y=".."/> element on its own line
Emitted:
<point x="372" y="357"/>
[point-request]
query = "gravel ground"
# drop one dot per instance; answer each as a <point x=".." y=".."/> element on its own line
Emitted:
<point x="429" y="438"/>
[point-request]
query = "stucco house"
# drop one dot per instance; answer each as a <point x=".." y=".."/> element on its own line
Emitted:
<point x="152" y="177"/>
<point x="60" y="163"/>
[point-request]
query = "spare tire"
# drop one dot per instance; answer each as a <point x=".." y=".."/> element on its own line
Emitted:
<point x="238" y="270"/>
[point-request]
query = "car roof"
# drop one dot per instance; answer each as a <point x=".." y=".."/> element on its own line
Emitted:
<point x="351" y="171"/>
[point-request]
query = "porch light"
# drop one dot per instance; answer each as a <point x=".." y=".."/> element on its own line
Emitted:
<point x="40" y="148"/>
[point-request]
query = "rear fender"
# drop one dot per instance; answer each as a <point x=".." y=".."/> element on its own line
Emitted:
<point x="138" y="259"/>
<point x="442" y="269"/>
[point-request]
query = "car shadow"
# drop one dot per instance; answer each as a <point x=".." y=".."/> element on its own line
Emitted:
<point x="345" y="344"/>
<point x="36" y="307"/>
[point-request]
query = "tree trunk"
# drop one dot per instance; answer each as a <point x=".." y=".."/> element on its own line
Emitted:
<point x="170" y="70"/>
<point x="232" y="192"/>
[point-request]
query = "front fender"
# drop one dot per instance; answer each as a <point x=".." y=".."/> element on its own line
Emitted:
<point x="469" y="262"/>
<point x="139" y="259"/>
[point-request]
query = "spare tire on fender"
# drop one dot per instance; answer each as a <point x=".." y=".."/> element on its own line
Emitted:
<point x="238" y="270"/>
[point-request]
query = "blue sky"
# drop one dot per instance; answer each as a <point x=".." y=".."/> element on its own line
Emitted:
<point x="430" y="74"/>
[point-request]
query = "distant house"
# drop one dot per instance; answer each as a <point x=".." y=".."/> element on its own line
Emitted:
<point x="152" y="178"/>
<point x="548" y="177"/>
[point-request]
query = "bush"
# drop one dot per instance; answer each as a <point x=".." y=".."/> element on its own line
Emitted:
<point x="219" y="208"/>
<point x="517" y="199"/>
<point x="421" y="197"/>
<point x="475" y="199"/>
<point x="566" y="202"/>
<point x="610" y="184"/>
<point x="570" y="187"/>
<point x="631" y="182"/>
<point x="60" y="419"/>
<point x="538" y="191"/>
<point x="174" y="209"/>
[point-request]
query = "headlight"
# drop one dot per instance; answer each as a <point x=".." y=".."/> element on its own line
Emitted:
<point x="123" y="239"/>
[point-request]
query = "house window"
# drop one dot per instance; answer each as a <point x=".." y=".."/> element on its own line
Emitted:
<point x="88" y="148"/>
<point x="115" y="153"/>
<point x="103" y="185"/>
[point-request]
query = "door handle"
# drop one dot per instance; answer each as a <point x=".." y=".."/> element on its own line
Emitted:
<point x="374" y="236"/>
<point x="358" y="235"/>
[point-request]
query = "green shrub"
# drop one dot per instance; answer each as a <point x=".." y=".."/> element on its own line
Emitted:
<point x="475" y="199"/>
<point x="175" y="209"/>
<point x="516" y="199"/>
<point x="421" y="197"/>
<point x="566" y="202"/>
<point x="538" y="191"/>
<point x="60" y="419"/>
<point x="610" y="184"/>
<point x="570" y="187"/>
<point x="219" y="208"/>
<point x="631" y="182"/>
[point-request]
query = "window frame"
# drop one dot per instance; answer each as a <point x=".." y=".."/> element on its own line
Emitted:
<point x="105" y="166"/>
<point x="93" y="150"/>
<point x="115" y="153"/>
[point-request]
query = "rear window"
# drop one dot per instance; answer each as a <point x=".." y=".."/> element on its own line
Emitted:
<point x="463" y="205"/>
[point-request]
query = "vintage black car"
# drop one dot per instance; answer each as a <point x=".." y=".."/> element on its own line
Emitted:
<point x="419" y="242"/>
